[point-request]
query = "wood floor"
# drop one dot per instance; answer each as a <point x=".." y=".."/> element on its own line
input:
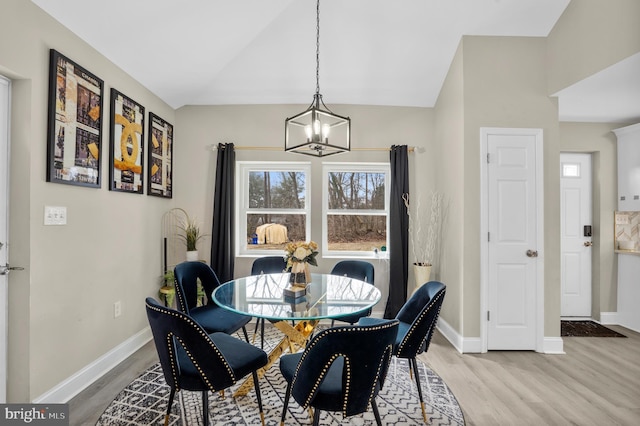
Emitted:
<point x="597" y="382"/>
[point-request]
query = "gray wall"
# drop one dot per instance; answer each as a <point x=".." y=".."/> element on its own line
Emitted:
<point x="61" y="306"/>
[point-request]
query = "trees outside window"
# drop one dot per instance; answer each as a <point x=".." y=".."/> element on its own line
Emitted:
<point x="272" y="205"/>
<point x="355" y="207"/>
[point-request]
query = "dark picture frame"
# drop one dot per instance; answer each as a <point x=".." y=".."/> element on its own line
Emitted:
<point x="160" y="167"/>
<point x="126" y="156"/>
<point x="74" y="123"/>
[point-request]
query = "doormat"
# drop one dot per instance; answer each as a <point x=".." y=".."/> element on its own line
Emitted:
<point x="586" y="329"/>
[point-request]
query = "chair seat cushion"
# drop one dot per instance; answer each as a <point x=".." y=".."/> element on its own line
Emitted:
<point x="242" y="357"/>
<point x="329" y="393"/>
<point x="214" y="319"/>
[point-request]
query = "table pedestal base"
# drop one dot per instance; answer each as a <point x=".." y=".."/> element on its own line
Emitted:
<point x="295" y="338"/>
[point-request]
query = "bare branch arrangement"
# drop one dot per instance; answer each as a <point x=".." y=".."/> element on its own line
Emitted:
<point x="424" y="246"/>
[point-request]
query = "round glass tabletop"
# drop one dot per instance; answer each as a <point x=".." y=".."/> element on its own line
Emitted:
<point x="326" y="296"/>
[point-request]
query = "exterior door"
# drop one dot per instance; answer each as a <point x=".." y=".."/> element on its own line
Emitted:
<point x="4" y="229"/>
<point x="514" y="221"/>
<point x="575" y="241"/>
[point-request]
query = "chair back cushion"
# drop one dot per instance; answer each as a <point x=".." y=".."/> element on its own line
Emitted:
<point x="357" y="269"/>
<point x="363" y="352"/>
<point x="186" y="275"/>
<point x="268" y="265"/>
<point x="184" y="346"/>
<point x="418" y="317"/>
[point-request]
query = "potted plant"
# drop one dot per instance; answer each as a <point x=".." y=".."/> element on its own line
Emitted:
<point x="190" y="234"/>
<point x="424" y="246"/>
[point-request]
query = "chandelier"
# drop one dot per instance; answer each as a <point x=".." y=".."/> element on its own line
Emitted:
<point x="317" y="131"/>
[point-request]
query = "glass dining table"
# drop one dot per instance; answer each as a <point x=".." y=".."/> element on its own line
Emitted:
<point x="264" y="296"/>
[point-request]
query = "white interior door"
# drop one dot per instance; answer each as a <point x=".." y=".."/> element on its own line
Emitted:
<point x="576" y="206"/>
<point x="514" y="239"/>
<point x="4" y="229"/>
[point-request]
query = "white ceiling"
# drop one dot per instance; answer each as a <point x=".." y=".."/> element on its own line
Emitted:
<point x="373" y="52"/>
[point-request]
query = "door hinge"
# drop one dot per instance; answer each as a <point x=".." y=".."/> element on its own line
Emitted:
<point x="488" y="315"/>
<point x="488" y="160"/>
<point x="489" y="236"/>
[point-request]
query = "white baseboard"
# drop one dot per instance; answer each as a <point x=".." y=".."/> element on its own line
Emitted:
<point x="469" y="345"/>
<point x="609" y="318"/>
<point x="67" y="389"/>
<point x="553" y="346"/>
<point x="473" y="345"/>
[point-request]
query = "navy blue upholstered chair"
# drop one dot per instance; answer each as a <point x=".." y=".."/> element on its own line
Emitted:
<point x="266" y="265"/>
<point x="359" y="270"/>
<point x="418" y="318"/>
<point x="193" y="360"/>
<point x="210" y="316"/>
<point x="341" y="369"/>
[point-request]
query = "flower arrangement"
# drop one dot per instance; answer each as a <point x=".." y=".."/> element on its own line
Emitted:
<point x="301" y="253"/>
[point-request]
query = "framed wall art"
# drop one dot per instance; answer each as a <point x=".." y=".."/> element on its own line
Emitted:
<point x="74" y="123"/>
<point x="126" y="157"/>
<point x="160" y="165"/>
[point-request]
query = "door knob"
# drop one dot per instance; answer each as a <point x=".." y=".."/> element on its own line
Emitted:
<point x="532" y="253"/>
<point x="588" y="243"/>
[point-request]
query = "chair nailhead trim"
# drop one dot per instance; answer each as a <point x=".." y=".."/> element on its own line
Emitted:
<point x="327" y="365"/>
<point x="419" y="319"/>
<point x="202" y="332"/>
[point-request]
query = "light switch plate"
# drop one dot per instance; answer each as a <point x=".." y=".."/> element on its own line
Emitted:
<point x="55" y="215"/>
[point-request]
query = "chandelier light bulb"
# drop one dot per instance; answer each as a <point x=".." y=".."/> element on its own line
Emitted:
<point x="325" y="131"/>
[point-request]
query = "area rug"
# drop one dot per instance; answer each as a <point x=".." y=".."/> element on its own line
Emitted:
<point x="144" y="402"/>
<point x="586" y="329"/>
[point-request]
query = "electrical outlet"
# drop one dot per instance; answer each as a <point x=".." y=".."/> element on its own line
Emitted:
<point x="117" y="309"/>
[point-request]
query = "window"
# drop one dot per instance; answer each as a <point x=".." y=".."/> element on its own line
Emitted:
<point x="570" y="169"/>
<point x="272" y="207"/>
<point x="355" y="207"/>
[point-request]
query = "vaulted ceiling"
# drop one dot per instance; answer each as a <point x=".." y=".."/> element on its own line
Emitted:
<point x="373" y="52"/>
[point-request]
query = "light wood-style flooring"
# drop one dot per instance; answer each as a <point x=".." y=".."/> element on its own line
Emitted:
<point x="597" y="382"/>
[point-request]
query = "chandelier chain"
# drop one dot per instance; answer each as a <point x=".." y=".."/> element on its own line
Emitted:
<point x="318" y="46"/>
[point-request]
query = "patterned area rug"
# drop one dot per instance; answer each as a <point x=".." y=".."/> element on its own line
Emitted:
<point x="144" y="402"/>
<point x="586" y="329"/>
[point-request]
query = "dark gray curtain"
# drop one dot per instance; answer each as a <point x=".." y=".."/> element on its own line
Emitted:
<point x="398" y="231"/>
<point x="222" y="244"/>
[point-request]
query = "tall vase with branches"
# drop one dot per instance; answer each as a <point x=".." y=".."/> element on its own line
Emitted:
<point x="424" y="245"/>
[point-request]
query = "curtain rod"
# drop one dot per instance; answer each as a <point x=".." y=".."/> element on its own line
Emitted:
<point x="277" y="148"/>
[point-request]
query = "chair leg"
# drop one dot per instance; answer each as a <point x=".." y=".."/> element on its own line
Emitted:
<point x="205" y="408"/>
<point x="168" y="415"/>
<point x="416" y="373"/>
<point x="256" y="384"/>
<point x="287" y="394"/>
<point x="316" y="416"/>
<point x="376" y="413"/>
<point x="246" y="336"/>
<point x="255" y="330"/>
<point x="332" y="322"/>
<point x="262" y="333"/>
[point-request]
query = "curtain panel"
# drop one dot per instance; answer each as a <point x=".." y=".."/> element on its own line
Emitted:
<point x="223" y="228"/>
<point x="398" y="231"/>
